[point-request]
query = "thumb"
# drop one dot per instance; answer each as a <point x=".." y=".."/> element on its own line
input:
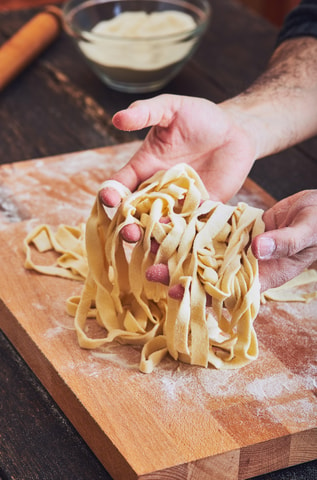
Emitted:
<point x="159" y="110"/>
<point x="285" y="252"/>
<point x="284" y="242"/>
<point x="291" y="227"/>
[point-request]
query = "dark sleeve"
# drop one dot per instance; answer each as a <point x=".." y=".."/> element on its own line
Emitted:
<point x="300" y="22"/>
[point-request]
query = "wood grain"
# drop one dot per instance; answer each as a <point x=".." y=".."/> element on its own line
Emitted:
<point x="180" y="421"/>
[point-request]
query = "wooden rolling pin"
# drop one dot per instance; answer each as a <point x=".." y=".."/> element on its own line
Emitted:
<point x="25" y="45"/>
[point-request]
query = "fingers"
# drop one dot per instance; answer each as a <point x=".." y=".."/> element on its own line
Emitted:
<point x="149" y="158"/>
<point x="112" y="192"/>
<point x="158" y="273"/>
<point x="290" y="244"/>
<point x="128" y="176"/>
<point x="276" y="272"/>
<point x="131" y="233"/>
<point x="283" y="242"/>
<point x="154" y="246"/>
<point x="141" y="114"/>
<point x="212" y="144"/>
<point x="169" y="141"/>
<point x="110" y="197"/>
<point x="176" y="292"/>
<point x="139" y="168"/>
<point x="135" y="117"/>
<point x="294" y="235"/>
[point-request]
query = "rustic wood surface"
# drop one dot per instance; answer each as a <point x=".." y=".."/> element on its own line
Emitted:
<point x="57" y="105"/>
<point x="188" y="422"/>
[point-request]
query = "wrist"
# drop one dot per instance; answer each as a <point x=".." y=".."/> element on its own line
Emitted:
<point x="246" y="113"/>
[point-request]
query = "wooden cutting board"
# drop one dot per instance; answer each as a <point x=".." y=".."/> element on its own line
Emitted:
<point x="180" y="421"/>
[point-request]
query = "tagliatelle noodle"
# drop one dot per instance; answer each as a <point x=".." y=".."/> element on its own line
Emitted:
<point x="287" y="293"/>
<point x="68" y="241"/>
<point x="206" y="246"/>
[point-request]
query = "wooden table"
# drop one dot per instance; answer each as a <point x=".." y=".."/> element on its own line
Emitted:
<point x="57" y="106"/>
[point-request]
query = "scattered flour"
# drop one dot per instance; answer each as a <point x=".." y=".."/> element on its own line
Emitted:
<point x="272" y="386"/>
<point x="8" y="206"/>
<point x="53" y="332"/>
<point x="296" y="414"/>
<point x="38" y="306"/>
<point x="110" y="355"/>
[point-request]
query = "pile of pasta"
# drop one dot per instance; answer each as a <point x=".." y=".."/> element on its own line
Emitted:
<point x="206" y="246"/>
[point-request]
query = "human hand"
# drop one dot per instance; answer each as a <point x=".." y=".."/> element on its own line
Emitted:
<point x="289" y="244"/>
<point x="190" y="130"/>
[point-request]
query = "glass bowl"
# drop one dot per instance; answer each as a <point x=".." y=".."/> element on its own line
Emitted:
<point x="136" y="45"/>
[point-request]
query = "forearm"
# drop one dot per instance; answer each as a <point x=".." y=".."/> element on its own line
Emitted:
<point x="280" y="108"/>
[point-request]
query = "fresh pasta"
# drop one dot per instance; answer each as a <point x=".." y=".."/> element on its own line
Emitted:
<point x="206" y="249"/>
<point x="206" y="246"/>
<point x="68" y="241"/>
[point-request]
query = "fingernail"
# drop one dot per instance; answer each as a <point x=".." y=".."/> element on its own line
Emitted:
<point x="266" y="248"/>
